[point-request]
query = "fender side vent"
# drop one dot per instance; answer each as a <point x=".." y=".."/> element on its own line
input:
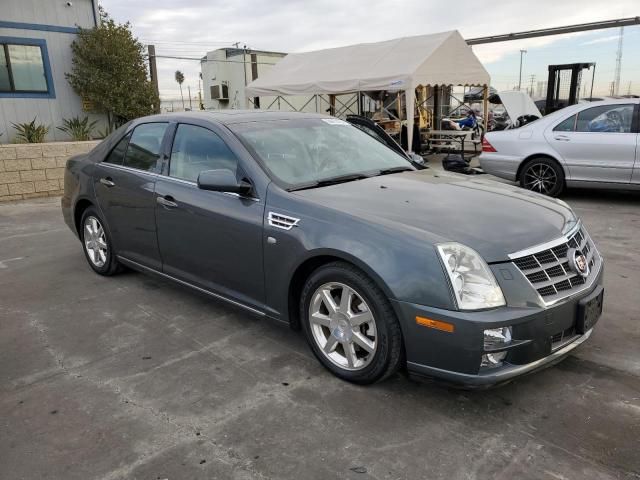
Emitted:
<point x="282" y="221"/>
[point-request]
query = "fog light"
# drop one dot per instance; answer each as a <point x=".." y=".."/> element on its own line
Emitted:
<point x="494" y="339"/>
<point x="493" y="359"/>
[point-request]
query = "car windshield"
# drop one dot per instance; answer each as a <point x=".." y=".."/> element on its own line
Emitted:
<point x="303" y="153"/>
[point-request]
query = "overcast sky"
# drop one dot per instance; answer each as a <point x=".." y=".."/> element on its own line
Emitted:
<point x="190" y="28"/>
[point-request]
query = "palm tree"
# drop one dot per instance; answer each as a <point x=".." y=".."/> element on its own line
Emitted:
<point x="180" y="78"/>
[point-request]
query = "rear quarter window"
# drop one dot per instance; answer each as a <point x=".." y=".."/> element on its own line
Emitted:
<point x="566" y="125"/>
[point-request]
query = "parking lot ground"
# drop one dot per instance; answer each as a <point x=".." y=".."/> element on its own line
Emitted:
<point x="131" y="377"/>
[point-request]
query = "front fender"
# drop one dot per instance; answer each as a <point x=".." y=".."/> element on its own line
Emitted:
<point x="404" y="264"/>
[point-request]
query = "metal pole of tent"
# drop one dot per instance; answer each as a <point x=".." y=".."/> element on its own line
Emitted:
<point x="485" y="107"/>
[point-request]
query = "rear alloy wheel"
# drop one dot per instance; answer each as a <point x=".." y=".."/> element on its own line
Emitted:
<point x="96" y="243"/>
<point x="542" y="175"/>
<point x="350" y="324"/>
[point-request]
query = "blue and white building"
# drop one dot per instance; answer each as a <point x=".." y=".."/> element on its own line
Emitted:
<point x="35" y="54"/>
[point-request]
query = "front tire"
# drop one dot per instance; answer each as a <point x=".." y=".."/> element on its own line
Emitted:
<point x="96" y="243"/>
<point x="350" y="324"/>
<point x="543" y="175"/>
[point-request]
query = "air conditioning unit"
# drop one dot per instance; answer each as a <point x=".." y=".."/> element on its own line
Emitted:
<point x="220" y="92"/>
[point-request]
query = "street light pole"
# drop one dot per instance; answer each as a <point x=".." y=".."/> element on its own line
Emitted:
<point x="522" y="52"/>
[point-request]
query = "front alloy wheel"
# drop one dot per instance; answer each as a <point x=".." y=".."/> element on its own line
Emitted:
<point x="350" y="324"/>
<point x="343" y="326"/>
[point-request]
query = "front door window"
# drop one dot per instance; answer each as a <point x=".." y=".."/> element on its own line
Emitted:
<point x="196" y="149"/>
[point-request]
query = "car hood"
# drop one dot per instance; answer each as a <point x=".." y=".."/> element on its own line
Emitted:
<point x="518" y="104"/>
<point x="493" y="218"/>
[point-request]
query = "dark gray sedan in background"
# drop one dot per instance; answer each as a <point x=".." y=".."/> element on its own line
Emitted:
<point x="306" y="219"/>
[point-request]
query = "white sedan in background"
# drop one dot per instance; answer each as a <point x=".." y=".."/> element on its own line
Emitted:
<point x="593" y="144"/>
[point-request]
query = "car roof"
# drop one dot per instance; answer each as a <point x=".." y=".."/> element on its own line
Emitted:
<point x="611" y="101"/>
<point x="228" y="117"/>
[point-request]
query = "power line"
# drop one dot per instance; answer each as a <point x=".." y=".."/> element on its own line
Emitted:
<point x="204" y="59"/>
<point x="177" y="42"/>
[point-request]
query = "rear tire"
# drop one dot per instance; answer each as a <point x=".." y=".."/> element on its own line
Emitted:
<point x="350" y="325"/>
<point x="96" y="243"/>
<point x="542" y="175"/>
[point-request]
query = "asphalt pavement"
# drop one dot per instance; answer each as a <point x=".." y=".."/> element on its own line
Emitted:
<point x="131" y="377"/>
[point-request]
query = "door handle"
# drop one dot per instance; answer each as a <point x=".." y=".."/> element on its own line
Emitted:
<point x="167" y="201"/>
<point x="107" y="182"/>
<point x="562" y="138"/>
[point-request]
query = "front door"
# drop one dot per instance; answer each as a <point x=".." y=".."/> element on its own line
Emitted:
<point x="124" y="184"/>
<point x="597" y="144"/>
<point x="209" y="239"/>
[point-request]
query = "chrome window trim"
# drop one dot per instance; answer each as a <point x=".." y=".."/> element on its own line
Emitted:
<point x="190" y="285"/>
<point x="129" y="169"/>
<point x="173" y="179"/>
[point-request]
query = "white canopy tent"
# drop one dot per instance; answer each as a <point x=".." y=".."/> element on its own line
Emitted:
<point x="393" y="65"/>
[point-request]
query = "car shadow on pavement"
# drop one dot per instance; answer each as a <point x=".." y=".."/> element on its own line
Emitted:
<point x="625" y="197"/>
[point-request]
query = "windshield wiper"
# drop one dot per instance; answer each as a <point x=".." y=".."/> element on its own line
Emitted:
<point x="330" y="181"/>
<point x="387" y="171"/>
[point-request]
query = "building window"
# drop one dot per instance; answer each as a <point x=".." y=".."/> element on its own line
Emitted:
<point x="24" y="68"/>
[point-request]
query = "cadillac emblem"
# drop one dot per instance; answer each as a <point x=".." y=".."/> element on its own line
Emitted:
<point x="578" y="262"/>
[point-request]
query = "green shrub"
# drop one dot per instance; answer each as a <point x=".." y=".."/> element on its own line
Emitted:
<point x="30" y="132"/>
<point x="78" y="129"/>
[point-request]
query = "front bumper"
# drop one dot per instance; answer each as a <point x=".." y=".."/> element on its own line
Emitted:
<point x="456" y="356"/>
<point x="496" y="376"/>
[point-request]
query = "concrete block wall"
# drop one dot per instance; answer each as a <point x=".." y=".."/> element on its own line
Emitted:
<point x="36" y="170"/>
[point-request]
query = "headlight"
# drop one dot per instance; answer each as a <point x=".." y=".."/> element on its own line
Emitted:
<point x="473" y="283"/>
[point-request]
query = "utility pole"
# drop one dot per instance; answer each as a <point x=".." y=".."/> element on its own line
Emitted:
<point x="189" y="90"/>
<point x="522" y="52"/>
<point x="616" y="88"/>
<point x="531" y="79"/>
<point x="153" y="72"/>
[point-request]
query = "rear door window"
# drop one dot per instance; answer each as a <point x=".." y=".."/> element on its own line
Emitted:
<point x="117" y="154"/>
<point x="143" y="152"/>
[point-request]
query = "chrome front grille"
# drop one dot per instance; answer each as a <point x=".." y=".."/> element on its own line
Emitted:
<point x="548" y="269"/>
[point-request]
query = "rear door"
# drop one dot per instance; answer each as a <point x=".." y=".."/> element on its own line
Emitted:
<point x="209" y="239"/>
<point x="124" y="184"/>
<point x="597" y="144"/>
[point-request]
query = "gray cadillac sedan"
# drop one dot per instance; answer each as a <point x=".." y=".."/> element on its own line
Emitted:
<point x="308" y="220"/>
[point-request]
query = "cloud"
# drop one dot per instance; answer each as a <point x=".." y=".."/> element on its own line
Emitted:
<point x="610" y="38"/>
<point x="192" y="27"/>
